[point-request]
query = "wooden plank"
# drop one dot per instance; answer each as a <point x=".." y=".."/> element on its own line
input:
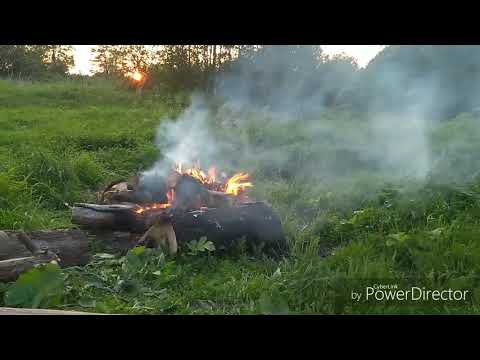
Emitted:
<point x="17" y="311"/>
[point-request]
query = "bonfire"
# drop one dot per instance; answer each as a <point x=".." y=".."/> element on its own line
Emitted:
<point x="195" y="203"/>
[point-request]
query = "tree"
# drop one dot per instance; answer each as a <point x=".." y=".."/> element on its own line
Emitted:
<point x="59" y="58"/>
<point x="35" y="61"/>
<point x="122" y="60"/>
<point x="106" y="59"/>
<point x="136" y="58"/>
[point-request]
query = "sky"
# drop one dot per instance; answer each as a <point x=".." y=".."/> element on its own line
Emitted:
<point x="362" y="53"/>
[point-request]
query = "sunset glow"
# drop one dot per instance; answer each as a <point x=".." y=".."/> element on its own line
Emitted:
<point x="137" y="76"/>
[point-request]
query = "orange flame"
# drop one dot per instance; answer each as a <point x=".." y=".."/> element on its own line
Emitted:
<point x="197" y="173"/>
<point x="152" y="207"/>
<point x="156" y="206"/>
<point x="234" y="185"/>
<point x="237" y="184"/>
<point x="212" y="174"/>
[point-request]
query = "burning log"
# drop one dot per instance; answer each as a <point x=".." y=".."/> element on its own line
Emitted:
<point x="122" y="191"/>
<point x="190" y="194"/>
<point x="194" y="204"/>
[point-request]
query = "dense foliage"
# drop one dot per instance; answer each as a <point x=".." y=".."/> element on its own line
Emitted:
<point x="35" y="62"/>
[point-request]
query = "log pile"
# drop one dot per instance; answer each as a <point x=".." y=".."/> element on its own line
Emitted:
<point x="196" y="210"/>
<point x="122" y="219"/>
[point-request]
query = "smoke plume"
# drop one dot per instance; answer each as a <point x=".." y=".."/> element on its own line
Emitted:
<point x="275" y="115"/>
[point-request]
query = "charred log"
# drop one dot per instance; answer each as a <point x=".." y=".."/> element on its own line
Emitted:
<point x="256" y="222"/>
<point x="132" y="192"/>
<point x="189" y="194"/>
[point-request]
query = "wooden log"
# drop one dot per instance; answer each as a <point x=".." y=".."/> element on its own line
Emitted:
<point x="71" y="246"/>
<point x="118" y="242"/>
<point x="100" y="217"/>
<point x="11" y="269"/>
<point x="11" y="247"/>
<point x="92" y="218"/>
<point x="28" y="243"/>
<point x="256" y="222"/>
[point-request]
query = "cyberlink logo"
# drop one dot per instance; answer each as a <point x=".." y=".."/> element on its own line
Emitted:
<point x="379" y="292"/>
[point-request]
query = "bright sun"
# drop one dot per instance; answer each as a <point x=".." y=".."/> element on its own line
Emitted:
<point x="137" y="76"/>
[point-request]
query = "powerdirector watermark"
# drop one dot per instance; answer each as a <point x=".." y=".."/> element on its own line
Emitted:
<point x="392" y="292"/>
<point x="410" y="292"/>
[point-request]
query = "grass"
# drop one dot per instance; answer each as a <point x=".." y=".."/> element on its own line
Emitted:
<point x="62" y="141"/>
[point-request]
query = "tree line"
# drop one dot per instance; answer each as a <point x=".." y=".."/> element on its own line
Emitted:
<point x="210" y="68"/>
<point x="170" y="67"/>
<point x="399" y="78"/>
<point x="35" y="62"/>
<point x="431" y="80"/>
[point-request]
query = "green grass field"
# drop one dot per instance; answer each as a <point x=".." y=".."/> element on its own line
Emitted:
<point x="62" y="141"/>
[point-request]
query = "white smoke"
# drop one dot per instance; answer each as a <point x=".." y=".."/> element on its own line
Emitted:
<point x="294" y="131"/>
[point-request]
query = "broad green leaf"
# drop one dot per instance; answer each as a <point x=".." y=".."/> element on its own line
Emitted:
<point x="129" y="286"/>
<point x="138" y="250"/>
<point x="42" y="285"/>
<point x="210" y="246"/>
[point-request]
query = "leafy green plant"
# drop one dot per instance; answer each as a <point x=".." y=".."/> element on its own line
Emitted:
<point x="202" y="245"/>
<point x="41" y="286"/>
